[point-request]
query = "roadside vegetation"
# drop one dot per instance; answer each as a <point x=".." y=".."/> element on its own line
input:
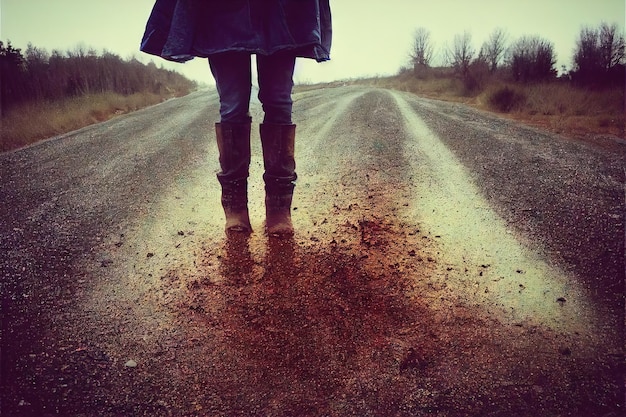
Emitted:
<point x="555" y="105"/>
<point x="519" y="79"/>
<point x="45" y="94"/>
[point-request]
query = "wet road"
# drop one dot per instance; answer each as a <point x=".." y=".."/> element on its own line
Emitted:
<point x="445" y="262"/>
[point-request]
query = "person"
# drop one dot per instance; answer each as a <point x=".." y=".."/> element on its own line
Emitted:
<point x="228" y="33"/>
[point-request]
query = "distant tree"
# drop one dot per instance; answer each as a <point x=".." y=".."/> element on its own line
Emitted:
<point x="493" y="50"/>
<point x="587" y="57"/>
<point x="532" y="59"/>
<point x="599" y="56"/>
<point x="611" y="46"/>
<point x="36" y="56"/>
<point x="41" y="76"/>
<point x="12" y="76"/>
<point x="422" y="50"/>
<point x="37" y="63"/>
<point x="461" y="54"/>
<point x="58" y="74"/>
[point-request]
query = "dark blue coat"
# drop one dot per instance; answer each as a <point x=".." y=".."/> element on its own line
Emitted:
<point x="179" y="30"/>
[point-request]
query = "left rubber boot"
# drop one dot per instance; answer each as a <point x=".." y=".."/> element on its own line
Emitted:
<point x="233" y="142"/>
<point x="278" y="142"/>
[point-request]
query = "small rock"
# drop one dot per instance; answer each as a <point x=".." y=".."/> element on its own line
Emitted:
<point x="131" y="364"/>
<point x="565" y="351"/>
<point x="412" y="360"/>
<point x="181" y="233"/>
<point x="149" y="255"/>
<point x="105" y="263"/>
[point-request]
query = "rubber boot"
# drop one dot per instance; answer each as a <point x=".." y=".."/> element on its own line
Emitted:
<point x="278" y="142"/>
<point x="233" y="142"/>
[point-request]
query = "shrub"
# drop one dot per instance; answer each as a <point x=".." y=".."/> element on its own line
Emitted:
<point x="506" y="99"/>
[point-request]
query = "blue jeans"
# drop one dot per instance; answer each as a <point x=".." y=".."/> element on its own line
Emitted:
<point x="233" y="78"/>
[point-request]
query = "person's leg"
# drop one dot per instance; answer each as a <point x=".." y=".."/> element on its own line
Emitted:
<point x="275" y="73"/>
<point x="233" y="81"/>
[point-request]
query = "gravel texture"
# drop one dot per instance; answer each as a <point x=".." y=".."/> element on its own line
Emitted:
<point x="445" y="262"/>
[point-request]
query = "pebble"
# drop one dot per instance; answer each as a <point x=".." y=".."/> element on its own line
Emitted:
<point x="130" y="364"/>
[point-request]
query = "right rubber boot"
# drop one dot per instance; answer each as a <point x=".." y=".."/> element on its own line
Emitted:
<point x="278" y="142"/>
<point x="233" y="142"/>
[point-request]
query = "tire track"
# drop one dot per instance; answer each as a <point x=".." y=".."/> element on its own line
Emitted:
<point x="511" y="277"/>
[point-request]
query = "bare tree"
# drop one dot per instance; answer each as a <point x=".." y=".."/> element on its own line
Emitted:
<point x="587" y="55"/>
<point x="461" y="54"/>
<point x="422" y="49"/>
<point x="494" y="48"/>
<point x="599" y="56"/>
<point x="532" y="59"/>
<point x="611" y="46"/>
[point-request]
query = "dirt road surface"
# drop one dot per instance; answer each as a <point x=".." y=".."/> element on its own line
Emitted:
<point x="446" y="262"/>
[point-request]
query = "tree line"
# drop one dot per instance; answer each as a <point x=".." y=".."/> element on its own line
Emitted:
<point x="597" y="61"/>
<point x="37" y="75"/>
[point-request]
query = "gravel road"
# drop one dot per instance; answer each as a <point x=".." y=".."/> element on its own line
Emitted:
<point x="445" y="262"/>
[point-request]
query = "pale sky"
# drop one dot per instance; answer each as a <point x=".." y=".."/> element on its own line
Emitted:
<point x="369" y="37"/>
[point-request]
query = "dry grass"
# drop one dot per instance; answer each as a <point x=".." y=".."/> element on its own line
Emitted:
<point x="565" y="109"/>
<point x="32" y="122"/>
<point x="556" y="106"/>
<point x="441" y="87"/>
